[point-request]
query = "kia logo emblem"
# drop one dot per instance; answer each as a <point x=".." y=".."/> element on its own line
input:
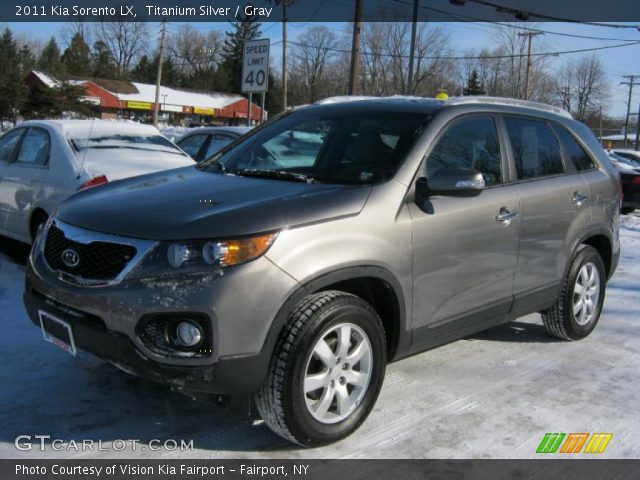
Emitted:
<point x="70" y="258"/>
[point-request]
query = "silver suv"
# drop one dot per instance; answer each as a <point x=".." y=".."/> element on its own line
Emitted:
<point x="300" y="259"/>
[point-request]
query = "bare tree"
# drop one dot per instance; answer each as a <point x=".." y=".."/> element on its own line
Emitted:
<point x="193" y="52"/>
<point x="126" y="41"/>
<point x="311" y="59"/>
<point x="386" y="58"/>
<point x="590" y="86"/>
<point x="71" y="29"/>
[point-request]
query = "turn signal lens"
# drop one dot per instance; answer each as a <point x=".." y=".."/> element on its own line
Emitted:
<point x="235" y="252"/>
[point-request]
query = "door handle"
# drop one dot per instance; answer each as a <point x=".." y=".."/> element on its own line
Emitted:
<point x="578" y="199"/>
<point x="505" y="216"/>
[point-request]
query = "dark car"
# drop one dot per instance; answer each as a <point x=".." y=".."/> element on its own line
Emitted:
<point x="201" y="143"/>
<point x="629" y="171"/>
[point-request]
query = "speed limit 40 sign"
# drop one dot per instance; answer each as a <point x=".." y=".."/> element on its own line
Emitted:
<point x="255" y="66"/>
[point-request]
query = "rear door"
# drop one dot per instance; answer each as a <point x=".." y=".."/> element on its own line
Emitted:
<point x="465" y="252"/>
<point x="25" y="179"/>
<point x="554" y="205"/>
<point x="8" y="148"/>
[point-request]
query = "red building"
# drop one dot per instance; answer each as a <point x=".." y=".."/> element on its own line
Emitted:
<point x="133" y="100"/>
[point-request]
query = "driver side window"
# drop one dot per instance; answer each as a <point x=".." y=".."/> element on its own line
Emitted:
<point x="469" y="144"/>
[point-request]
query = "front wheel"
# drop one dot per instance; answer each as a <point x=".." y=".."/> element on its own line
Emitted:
<point x="327" y="370"/>
<point x="576" y="313"/>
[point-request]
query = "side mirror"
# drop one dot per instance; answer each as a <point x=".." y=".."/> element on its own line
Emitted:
<point x="451" y="181"/>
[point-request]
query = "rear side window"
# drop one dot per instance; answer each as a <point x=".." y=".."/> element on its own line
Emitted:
<point x="469" y="144"/>
<point x="8" y="144"/>
<point x="218" y="142"/>
<point x="573" y="150"/>
<point x="34" y="149"/>
<point x="536" y="151"/>
<point x="192" y="144"/>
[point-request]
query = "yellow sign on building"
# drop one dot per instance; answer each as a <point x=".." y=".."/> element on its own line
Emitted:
<point x="139" y="105"/>
<point x="204" y="111"/>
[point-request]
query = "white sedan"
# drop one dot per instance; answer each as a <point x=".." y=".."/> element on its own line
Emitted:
<point x="42" y="162"/>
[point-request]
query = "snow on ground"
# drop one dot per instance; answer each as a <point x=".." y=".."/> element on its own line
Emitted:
<point x="492" y="395"/>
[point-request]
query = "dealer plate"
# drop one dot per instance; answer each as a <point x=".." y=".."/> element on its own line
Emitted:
<point x="57" y="332"/>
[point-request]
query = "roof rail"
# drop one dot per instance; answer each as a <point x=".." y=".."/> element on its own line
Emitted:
<point x="512" y="102"/>
<point x="345" y="98"/>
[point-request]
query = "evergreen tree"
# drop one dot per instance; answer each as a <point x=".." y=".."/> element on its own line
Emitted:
<point x="76" y="58"/>
<point x="27" y="59"/>
<point x="102" y="62"/>
<point x="50" y="60"/>
<point x="143" y="71"/>
<point x="230" y="69"/>
<point x="146" y="71"/>
<point x="45" y="102"/>
<point x="473" y="85"/>
<point x="12" y="88"/>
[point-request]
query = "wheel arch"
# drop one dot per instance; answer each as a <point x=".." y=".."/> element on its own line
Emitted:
<point x="375" y="285"/>
<point x="599" y="237"/>
<point x="36" y="214"/>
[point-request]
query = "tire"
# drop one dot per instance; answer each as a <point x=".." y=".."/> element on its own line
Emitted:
<point x="569" y="319"/>
<point x="627" y="210"/>
<point x="323" y="318"/>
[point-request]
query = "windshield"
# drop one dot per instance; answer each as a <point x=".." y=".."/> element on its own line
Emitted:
<point x="348" y="146"/>
<point x="116" y="140"/>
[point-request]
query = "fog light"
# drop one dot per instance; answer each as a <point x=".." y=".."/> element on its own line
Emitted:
<point x="188" y="334"/>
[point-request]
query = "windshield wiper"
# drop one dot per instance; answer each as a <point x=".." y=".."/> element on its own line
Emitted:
<point x="277" y="174"/>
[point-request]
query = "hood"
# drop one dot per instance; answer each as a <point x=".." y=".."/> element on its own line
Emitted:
<point x="124" y="163"/>
<point x="188" y="203"/>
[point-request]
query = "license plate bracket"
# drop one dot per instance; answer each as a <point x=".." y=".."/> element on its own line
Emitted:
<point x="57" y="331"/>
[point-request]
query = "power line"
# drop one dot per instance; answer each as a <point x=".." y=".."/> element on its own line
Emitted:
<point x="524" y="14"/>
<point x="471" y="57"/>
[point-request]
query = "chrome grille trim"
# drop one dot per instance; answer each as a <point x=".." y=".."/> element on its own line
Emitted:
<point x="81" y="235"/>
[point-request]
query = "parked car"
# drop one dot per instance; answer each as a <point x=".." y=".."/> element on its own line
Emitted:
<point x="418" y="222"/>
<point x="200" y="143"/>
<point x="42" y="162"/>
<point x="629" y="154"/>
<point x="629" y="171"/>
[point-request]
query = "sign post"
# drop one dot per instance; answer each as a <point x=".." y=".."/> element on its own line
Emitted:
<point x="255" y="71"/>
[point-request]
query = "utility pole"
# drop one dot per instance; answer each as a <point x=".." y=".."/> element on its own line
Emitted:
<point x="600" y="115"/>
<point x="412" y="53"/>
<point x="355" y="49"/>
<point x="631" y="82"/>
<point x="284" y="54"/>
<point x="156" y="105"/>
<point x="529" y="36"/>
<point x="635" y="147"/>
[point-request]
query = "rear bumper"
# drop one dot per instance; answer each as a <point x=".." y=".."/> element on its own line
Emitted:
<point x="232" y="376"/>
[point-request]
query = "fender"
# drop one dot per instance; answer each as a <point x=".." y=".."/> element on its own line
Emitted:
<point x="317" y="283"/>
<point x="590" y="231"/>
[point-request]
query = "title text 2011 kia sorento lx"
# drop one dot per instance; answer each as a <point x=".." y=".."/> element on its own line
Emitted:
<point x="299" y="260"/>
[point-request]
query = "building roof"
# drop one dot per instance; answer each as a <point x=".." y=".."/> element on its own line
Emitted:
<point x="144" y="92"/>
<point x="174" y="96"/>
<point x="619" y="137"/>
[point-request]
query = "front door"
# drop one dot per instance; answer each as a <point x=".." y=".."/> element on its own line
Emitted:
<point x="465" y="248"/>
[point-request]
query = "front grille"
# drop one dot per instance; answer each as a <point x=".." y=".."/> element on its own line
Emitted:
<point x="97" y="260"/>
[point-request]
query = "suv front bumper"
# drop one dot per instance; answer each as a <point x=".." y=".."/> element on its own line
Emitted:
<point x="240" y="306"/>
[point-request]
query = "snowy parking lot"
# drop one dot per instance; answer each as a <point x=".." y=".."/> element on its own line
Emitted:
<point x="492" y="395"/>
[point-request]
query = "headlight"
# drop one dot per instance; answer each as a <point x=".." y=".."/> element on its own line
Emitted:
<point x="202" y="256"/>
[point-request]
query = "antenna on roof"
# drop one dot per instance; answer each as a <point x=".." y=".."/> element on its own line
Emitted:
<point x="86" y="147"/>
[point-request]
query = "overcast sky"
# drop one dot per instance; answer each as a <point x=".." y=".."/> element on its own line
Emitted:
<point x="464" y="36"/>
